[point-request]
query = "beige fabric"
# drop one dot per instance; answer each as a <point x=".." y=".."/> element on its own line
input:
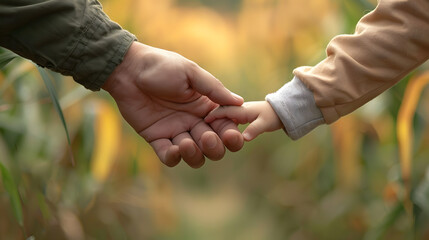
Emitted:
<point x="389" y="42"/>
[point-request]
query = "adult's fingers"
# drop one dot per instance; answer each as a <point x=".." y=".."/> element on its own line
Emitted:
<point x="208" y="141"/>
<point x="206" y="84"/>
<point x="189" y="150"/>
<point x="168" y="153"/>
<point x="229" y="133"/>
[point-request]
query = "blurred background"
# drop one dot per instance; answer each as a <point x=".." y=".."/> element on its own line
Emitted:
<point x="363" y="177"/>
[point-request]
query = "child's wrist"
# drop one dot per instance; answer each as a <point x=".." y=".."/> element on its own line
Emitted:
<point x="275" y="122"/>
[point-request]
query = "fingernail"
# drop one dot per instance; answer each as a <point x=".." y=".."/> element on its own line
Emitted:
<point x="207" y="119"/>
<point x="247" y="136"/>
<point x="236" y="96"/>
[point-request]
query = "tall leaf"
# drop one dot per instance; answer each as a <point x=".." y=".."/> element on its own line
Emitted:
<point x="405" y="130"/>
<point x="53" y="94"/>
<point x="12" y="190"/>
<point x="6" y="57"/>
<point x="379" y="231"/>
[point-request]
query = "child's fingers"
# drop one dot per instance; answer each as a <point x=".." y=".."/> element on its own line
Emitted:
<point x="254" y="129"/>
<point x="237" y="113"/>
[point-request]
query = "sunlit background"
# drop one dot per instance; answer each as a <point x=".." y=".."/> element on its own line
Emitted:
<point x="363" y="177"/>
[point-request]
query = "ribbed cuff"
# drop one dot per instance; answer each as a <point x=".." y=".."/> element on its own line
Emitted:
<point x="100" y="49"/>
<point x="294" y="104"/>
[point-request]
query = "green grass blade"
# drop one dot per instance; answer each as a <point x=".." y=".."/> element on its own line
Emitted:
<point x="6" y="57"/>
<point x="43" y="206"/>
<point x="53" y="94"/>
<point x="378" y="232"/>
<point x="12" y="190"/>
<point x="54" y="98"/>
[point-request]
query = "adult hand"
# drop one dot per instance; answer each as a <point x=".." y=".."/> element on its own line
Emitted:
<point x="165" y="98"/>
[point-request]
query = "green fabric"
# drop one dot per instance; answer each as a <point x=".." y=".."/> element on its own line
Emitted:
<point x="73" y="37"/>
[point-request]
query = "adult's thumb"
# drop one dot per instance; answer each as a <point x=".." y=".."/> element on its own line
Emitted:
<point x="206" y="84"/>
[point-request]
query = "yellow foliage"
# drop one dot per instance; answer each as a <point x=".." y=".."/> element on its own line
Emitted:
<point x="405" y="118"/>
<point x="262" y="33"/>
<point x="275" y="24"/>
<point x="107" y="140"/>
<point x="404" y="129"/>
<point x="347" y="140"/>
<point x="271" y="32"/>
<point x="120" y="11"/>
<point x="197" y="33"/>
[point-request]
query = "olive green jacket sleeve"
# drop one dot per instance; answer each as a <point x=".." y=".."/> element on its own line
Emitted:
<point x="388" y="43"/>
<point x="72" y="37"/>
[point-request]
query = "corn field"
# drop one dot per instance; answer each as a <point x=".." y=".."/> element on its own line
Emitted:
<point x="71" y="168"/>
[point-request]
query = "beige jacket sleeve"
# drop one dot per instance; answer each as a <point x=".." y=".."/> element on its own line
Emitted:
<point x="389" y="42"/>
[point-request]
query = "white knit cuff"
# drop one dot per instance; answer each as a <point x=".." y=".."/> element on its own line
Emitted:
<point x="294" y="104"/>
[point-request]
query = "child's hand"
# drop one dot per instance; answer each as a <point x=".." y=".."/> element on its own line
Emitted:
<point x="260" y="115"/>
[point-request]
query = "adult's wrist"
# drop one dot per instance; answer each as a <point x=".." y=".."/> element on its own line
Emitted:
<point x="124" y="70"/>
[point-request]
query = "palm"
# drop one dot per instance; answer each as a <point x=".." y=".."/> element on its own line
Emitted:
<point x="156" y="118"/>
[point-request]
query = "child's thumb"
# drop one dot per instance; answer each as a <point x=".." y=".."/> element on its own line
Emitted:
<point x="254" y="129"/>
